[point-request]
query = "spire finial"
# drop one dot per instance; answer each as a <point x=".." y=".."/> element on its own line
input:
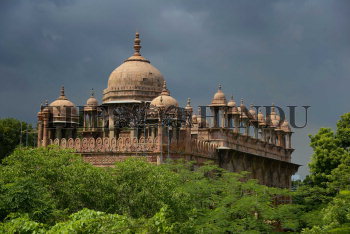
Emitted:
<point x="46" y="102"/>
<point x="92" y="92"/>
<point x="62" y="91"/>
<point x="241" y="101"/>
<point x="165" y="90"/>
<point x="62" y="96"/>
<point x="137" y="45"/>
<point x="219" y="86"/>
<point x="189" y="101"/>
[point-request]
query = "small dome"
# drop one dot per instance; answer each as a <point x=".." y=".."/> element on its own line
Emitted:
<point x="164" y="99"/>
<point x="232" y="102"/>
<point x="92" y="101"/>
<point x="242" y="109"/>
<point x="261" y="118"/>
<point x="188" y="106"/>
<point x="285" y="126"/>
<point x="252" y="110"/>
<point x="274" y="117"/>
<point x="219" y="98"/>
<point x="63" y="110"/>
<point x="274" y="120"/>
<point x="62" y="101"/>
<point x="194" y="119"/>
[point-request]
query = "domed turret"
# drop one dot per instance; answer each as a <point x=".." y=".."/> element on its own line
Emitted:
<point x="261" y="118"/>
<point x="242" y="109"/>
<point x="219" y="98"/>
<point x="135" y="80"/>
<point x="194" y="119"/>
<point x="285" y="126"/>
<point x="164" y="99"/>
<point x="92" y="101"/>
<point x="232" y="102"/>
<point x="188" y="106"/>
<point x="274" y="117"/>
<point x="252" y="111"/>
<point x="63" y="110"/>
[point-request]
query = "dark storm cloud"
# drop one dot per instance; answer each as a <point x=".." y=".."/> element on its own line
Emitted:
<point x="286" y="52"/>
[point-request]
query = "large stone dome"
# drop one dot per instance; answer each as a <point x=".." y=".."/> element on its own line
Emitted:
<point x="133" y="81"/>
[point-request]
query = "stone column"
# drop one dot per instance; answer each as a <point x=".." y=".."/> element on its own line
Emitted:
<point x="69" y="132"/>
<point x="280" y="139"/>
<point x="59" y="132"/>
<point x="84" y="113"/>
<point x="110" y="122"/>
<point x="289" y="140"/>
<point x="246" y="127"/>
<point x="160" y="139"/>
<point x="216" y="115"/>
<point x="236" y="123"/>
<point x="45" y="134"/>
<point x="223" y="118"/>
<point x="256" y="132"/>
<point x="40" y="133"/>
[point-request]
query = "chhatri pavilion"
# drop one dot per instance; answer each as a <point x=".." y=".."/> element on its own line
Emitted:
<point x="139" y="117"/>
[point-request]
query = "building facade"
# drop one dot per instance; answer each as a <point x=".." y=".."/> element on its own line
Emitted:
<point x="139" y="117"/>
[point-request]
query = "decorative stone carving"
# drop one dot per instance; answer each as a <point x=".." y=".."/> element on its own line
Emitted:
<point x="71" y="143"/>
<point x="56" y="142"/>
<point x="77" y="144"/>
<point x="63" y="143"/>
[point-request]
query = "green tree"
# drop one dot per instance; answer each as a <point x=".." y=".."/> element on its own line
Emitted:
<point x="327" y="156"/>
<point x="10" y="134"/>
<point x="343" y="131"/>
<point x="335" y="217"/>
<point x="55" y="190"/>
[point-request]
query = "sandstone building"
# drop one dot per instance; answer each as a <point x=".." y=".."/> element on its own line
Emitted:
<point x="139" y="117"/>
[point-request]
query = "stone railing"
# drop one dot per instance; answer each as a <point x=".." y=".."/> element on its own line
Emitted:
<point x="126" y="144"/>
<point x="122" y="144"/>
<point x="203" y="147"/>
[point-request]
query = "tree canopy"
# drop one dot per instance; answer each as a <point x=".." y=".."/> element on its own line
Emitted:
<point x="10" y="135"/>
<point x="49" y="190"/>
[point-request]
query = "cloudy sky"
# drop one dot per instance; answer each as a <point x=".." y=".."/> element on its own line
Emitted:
<point x="282" y="52"/>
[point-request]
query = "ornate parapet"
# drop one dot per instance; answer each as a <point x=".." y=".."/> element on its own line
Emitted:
<point x="246" y="144"/>
<point x="128" y="145"/>
<point x="122" y="144"/>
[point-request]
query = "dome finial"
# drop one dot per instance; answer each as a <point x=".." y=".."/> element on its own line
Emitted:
<point x="219" y="86"/>
<point x="137" y="45"/>
<point x="165" y="90"/>
<point x="62" y="91"/>
<point x="242" y="102"/>
<point x="62" y="96"/>
<point x="92" y="92"/>
<point x="188" y="106"/>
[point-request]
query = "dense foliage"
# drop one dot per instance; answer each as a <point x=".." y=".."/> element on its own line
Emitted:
<point x="48" y="190"/>
<point x="10" y="135"/>
<point x="324" y="194"/>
